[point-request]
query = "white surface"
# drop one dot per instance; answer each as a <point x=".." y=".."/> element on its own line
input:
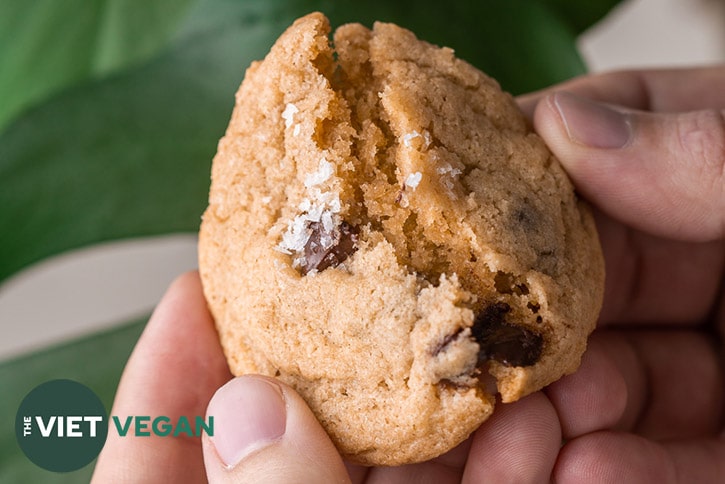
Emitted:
<point x="89" y="290"/>
<point x="655" y="33"/>
<point x="95" y="288"/>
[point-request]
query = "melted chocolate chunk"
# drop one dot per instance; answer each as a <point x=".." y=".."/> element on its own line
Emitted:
<point x="329" y="249"/>
<point x="506" y="343"/>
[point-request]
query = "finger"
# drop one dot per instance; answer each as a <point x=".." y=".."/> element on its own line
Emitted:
<point x="661" y="385"/>
<point x="173" y="371"/>
<point x="658" y="90"/>
<point x="264" y="432"/>
<point x="684" y="389"/>
<point x="594" y="397"/>
<point x="447" y="468"/>
<point x="653" y="280"/>
<point x="650" y="278"/>
<point x="519" y="443"/>
<point x="623" y="458"/>
<point x="663" y="174"/>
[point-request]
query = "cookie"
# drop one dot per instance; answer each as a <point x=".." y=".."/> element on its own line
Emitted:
<point x="387" y="235"/>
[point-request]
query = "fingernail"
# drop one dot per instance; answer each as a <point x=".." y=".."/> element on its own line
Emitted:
<point x="249" y="414"/>
<point x="593" y="124"/>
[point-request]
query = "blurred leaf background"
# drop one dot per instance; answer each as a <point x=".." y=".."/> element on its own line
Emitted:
<point x="110" y="111"/>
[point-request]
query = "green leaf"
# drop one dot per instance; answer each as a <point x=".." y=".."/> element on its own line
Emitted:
<point x="47" y="45"/>
<point x="130" y="155"/>
<point x="96" y="361"/>
<point x="581" y="15"/>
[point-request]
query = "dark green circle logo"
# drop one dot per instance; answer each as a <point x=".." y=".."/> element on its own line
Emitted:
<point x="61" y="425"/>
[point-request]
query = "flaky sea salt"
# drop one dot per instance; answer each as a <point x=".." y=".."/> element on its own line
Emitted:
<point x="447" y="176"/>
<point x="288" y="114"/>
<point x="408" y="137"/>
<point x="447" y="169"/>
<point x="334" y="203"/>
<point x="327" y="223"/>
<point x="413" y="180"/>
<point x="314" y="214"/>
<point x="427" y="138"/>
<point x="318" y="207"/>
<point x="324" y="171"/>
<point x="296" y="236"/>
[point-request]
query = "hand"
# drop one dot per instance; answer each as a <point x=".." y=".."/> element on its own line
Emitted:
<point x="646" y="404"/>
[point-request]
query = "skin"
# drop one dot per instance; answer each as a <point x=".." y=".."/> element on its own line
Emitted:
<point x="647" y="403"/>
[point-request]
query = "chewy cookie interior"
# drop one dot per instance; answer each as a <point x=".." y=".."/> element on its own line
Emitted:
<point x="406" y="176"/>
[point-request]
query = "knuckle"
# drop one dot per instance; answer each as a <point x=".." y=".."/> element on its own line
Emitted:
<point x="701" y="137"/>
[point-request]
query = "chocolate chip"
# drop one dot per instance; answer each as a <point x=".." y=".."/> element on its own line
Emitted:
<point x="328" y="249"/>
<point x="506" y="343"/>
<point x="526" y="216"/>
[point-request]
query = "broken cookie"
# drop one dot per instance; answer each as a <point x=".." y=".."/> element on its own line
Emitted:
<point x="386" y="235"/>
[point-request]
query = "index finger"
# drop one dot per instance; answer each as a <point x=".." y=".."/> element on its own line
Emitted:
<point x="174" y="370"/>
<point x="657" y="90"/>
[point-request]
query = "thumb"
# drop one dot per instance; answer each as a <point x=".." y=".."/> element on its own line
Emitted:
<point x="264" y="432"/>
<point x="662" y="173"/>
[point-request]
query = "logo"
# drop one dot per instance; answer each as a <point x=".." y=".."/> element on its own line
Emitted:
<point x="61" y="425"/>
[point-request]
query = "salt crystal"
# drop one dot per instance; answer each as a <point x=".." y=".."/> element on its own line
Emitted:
<point x="305" y="205"/>
<point x="314" y="214"/>
<point x="296" y="130"/>
<point x="319" y="207"/>
<point x="413" y="180"/>
<point x="427" y="138"/>
<point x="296" y="236"/>
<point x="323" y="173"/>
<point x="266" y="200"/>
<point x="447" y="169"/>
<point x="281" y="249"/>
<point x="326" y="241"/>
<point x="408" y="137"/>
<point x="327" y="223"/>
<point x="335" y="205"/>
<point x="288" y="114"/>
